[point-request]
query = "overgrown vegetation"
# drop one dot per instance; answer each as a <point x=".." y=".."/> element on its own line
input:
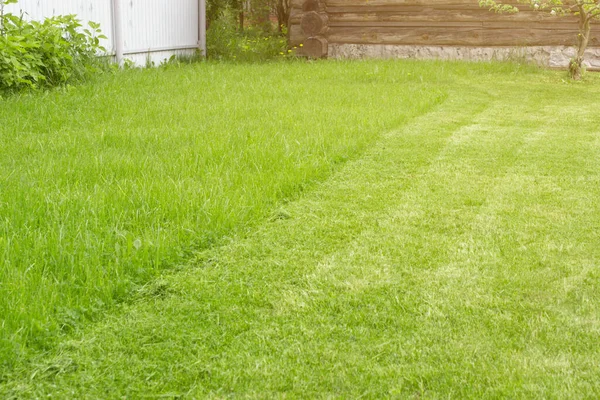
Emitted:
<point x="256" y="42"/>
<point x="251" y="12"/>
<point x="246" y="31"/>
<point x="104" y="185"/>
<point x="50" y="53"/>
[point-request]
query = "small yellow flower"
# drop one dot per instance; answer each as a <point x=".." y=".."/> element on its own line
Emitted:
<point x="289" y="51"/>
<point x="280" y="53"/>
<point x="301" y="45"/>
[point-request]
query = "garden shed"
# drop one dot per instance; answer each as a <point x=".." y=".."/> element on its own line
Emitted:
<point x="444" y="29"/>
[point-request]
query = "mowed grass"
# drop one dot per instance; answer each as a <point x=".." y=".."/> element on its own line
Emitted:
<point x="103" y="186"/>
<point x="457" y="257"/>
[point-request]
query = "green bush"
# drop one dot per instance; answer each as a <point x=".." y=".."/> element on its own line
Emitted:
<point x="226" y="42"/>
<point x="49" y="53"/>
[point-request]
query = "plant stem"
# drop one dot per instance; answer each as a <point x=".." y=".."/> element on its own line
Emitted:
<point x="576" y="65"/>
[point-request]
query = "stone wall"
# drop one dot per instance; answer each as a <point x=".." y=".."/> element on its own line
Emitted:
<point x="550" y="56"/>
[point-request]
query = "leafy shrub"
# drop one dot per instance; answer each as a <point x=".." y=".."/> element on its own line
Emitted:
<point x="226" y="42"/>
<point x="49" y="53"/>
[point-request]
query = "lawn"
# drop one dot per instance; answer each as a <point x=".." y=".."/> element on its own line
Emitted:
<point x="105" y="185"/>
<point x="452" y="252"/>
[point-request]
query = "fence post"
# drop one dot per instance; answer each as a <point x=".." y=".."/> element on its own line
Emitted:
<point x="118" y="31"/>
<point x="202" y="26"/>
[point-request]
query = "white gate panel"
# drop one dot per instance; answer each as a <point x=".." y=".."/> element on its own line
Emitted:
<point x="99" y="11"/>
<point x="159" y="24"/>
<point x="152" y="30"/>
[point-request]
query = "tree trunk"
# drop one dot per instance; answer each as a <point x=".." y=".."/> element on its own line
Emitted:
<point x="283" y="14"/>
<point x="583" y="38"/>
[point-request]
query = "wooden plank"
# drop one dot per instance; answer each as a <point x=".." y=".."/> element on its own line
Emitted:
<point x="406" y="6"/>
<point x="453" y="37"/>
<point x="401" y="24"/>
<point x="473" y="5"/>
<point x="431" y="14"/>
<point x="418" y="13"/>
<point x="453" y="24"/>
<point x="390" y="4"/>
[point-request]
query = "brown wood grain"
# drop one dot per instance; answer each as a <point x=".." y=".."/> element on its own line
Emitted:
<point x="451" y="37"/>
<point x="415" y="13"/>
<point x="453" y="24"/>
<point x="438" y="22"/>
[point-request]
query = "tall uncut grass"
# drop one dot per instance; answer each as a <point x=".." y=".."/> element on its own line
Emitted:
<point x="104" y="185"/>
